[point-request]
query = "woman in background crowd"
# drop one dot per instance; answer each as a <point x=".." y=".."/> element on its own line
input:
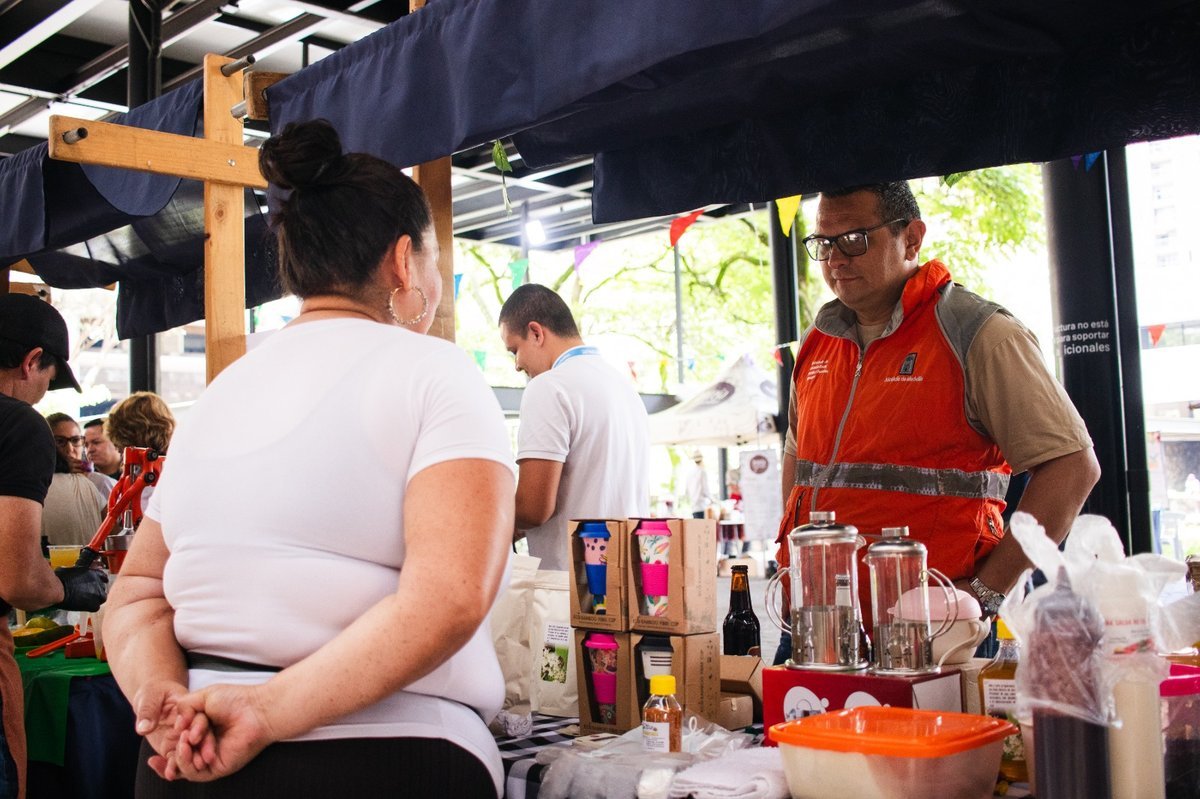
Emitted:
<point x="143" y="419"/>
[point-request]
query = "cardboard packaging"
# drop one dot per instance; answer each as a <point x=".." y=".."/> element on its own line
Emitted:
<point x="725" y="566"/>
<point x="692" y="587"/>
<point x="970" y="684"/>
<point x="628" y="711"/>
<point x="735" y="711"/>
<point x="794" y="693"/>
<point x="742" y="674"/>
<point x="616" y="615"/>
<point x="695" y="662"/>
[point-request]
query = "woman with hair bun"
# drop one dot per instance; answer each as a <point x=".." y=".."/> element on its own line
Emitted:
<point x="285" y="623"/>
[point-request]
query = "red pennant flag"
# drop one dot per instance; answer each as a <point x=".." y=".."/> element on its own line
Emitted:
<point x="683" y="223"/>
<point x="1156" y="332"/>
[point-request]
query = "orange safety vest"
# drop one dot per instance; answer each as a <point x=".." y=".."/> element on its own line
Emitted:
<point x="883" y="437"/>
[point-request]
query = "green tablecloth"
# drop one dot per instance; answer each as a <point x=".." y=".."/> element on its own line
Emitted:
<point x="47" y="683"/>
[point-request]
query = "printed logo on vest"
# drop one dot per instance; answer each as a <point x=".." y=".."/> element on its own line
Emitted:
<point x="910" y="363"/>
<point x="818" y="367"/>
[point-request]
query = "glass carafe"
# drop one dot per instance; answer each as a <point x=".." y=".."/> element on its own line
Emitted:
<point x="903" y="636"/>
<point x="826" y="620"/>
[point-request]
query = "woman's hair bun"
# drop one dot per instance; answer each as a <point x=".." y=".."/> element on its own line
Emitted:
<point x="304" y="154"/>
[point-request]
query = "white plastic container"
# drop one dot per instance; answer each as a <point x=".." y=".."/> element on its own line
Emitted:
<point x="891" y="753"/>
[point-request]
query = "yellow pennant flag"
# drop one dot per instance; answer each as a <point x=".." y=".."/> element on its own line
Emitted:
<point x="787" y="208"/>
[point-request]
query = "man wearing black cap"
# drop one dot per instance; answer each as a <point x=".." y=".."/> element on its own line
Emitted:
<point x="33" y="360"/>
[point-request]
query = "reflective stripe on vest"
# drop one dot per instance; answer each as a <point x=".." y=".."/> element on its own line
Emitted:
<point x="906" y="479"/>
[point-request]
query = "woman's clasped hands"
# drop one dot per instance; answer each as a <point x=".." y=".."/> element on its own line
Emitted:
<point x="204" y="735"/>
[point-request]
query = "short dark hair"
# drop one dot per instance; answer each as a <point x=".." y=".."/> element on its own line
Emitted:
<point x="343" y="213"/>
<point x="896" y="200"/>
<point x="536" y="303"/>
<point x="12" y="353"/>
<point x="97" y="422"/>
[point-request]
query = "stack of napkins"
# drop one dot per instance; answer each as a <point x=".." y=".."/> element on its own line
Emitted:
<point x="752" y="773"/>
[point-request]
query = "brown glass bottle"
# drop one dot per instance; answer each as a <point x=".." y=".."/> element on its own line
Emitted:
<point x="740" y="630"/>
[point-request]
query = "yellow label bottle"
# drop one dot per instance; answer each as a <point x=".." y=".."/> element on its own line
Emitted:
<point x="998" y="698"/>
<point x="662" y="716"/>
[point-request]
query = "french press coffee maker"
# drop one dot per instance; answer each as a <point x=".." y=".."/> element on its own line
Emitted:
<point x="900" y="604"/>
<point x="826" y="620"/>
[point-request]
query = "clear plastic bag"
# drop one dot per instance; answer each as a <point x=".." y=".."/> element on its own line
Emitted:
<point x="623" y="768"/>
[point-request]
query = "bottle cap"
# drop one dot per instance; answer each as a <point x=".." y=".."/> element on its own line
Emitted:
<point x="1002" y="631"/>
<point x="662" y="684"/>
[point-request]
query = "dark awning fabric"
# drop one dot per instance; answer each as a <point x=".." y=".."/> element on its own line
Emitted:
<point x="692" y="102"/>
<point x="83" y="226"/>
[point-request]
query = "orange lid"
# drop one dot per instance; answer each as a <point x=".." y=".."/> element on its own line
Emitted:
<point x="894" y="731"/>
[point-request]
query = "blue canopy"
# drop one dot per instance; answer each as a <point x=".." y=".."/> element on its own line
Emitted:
<point x="690" y="102"/>
<point x="83" y="226"/>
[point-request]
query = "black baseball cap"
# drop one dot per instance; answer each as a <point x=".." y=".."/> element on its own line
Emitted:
<point x="31" y="322"/>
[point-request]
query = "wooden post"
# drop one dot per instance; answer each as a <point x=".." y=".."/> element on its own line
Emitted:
<point x="224" y="228"/>
<point x="434" y="178"/>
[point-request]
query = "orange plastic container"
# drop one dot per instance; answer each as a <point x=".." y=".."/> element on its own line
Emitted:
<point x="891" y="753"/>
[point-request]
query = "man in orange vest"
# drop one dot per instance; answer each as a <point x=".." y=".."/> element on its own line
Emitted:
<point x="914" y="401"/>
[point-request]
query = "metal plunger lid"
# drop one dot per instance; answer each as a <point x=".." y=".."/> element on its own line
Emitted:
<point x="895" y="541"/>
<point x="822" y="528"/>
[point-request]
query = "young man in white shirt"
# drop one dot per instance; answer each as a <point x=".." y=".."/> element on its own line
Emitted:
<point x="583" y="445"/>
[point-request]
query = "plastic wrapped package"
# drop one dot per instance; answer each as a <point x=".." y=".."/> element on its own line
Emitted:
<point x="622" y="769"/>
<point x="1093" y="634"/>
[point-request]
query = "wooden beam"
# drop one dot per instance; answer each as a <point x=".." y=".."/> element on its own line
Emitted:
<point x="434" y="178"/>
<point x="256" y="84"/>
<point x="217" y="160"/>
<point x="224" y="224"/>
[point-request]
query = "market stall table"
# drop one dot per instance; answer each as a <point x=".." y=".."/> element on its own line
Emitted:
<point x="523" y="774"/>
<point x="79" y="728"/>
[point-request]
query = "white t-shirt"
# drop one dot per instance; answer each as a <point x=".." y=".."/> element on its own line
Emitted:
<point x="281" y="504"/>
<point x="585" y="414"/>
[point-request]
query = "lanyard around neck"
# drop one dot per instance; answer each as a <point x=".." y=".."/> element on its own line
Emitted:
<point x="582" y="349"/>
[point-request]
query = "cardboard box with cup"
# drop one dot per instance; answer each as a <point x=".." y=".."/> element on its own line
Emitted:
<point x="694" y="661"/>
<point x="605" y="673"/>
<point x="672" y="589"/>
<point x="599" y="574"/>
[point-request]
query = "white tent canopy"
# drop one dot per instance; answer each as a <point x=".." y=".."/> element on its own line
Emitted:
<point x="738" y="408"/>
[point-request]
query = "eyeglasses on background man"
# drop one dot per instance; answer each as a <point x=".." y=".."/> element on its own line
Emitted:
<point x="851" y="243"/>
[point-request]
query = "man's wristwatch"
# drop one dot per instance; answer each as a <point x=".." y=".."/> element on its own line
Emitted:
<point x="989" y="600"/>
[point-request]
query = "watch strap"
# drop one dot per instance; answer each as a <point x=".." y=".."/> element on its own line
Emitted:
<point x="990" y="600"/>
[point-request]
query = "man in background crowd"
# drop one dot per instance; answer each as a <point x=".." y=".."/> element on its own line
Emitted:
<point x="108" y="459"/>
<point x="699" y="495"/>
<point x="33" y="360"/>
<point x="583" y="446"/>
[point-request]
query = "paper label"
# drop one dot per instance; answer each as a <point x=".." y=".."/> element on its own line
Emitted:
<point x="656" y="736"/>
<point x="1126" y="635"/>
<point x="999" y="697"/>
<point x="555" y="650"/>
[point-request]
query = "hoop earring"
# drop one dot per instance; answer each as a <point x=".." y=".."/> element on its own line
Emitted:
<point x="416" y="319"/>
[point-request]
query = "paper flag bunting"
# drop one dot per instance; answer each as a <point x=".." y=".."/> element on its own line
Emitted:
<point x="457" y="282"/>
<point x="1155" y="332"/>
<point x="683" y="223"/>
<point x="787" y="208"/>
<point x="1088" y="160"/>
<point x="519" y="269"/>
<point x="1075" y="159"/>
<point x="583" y="251"/>
<point x="480" y="358"/>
